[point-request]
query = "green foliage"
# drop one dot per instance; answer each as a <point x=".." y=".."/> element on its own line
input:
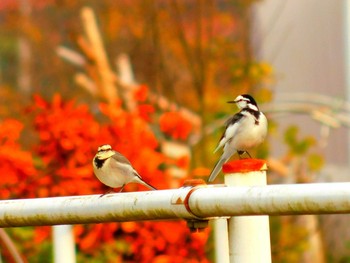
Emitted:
<point x="23" y="239"/>
<point x="108" y="252"/>
<point x="288" y="239"/>
<point x="298" y="147"/>
<point x="302" y="147"/>
<point x="336" y="258"/>
<point x="315" y="162"/>
<point x="263" y="151"/>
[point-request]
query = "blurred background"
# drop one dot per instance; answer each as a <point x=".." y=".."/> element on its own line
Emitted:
<point x="152" y="79"/>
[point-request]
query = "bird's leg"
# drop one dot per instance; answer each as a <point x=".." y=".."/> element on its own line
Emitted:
<point x="248" y="154"/>
<point x="110" y="190"/>
<point x="121" y="189"/>
<point x="239" y="154"/>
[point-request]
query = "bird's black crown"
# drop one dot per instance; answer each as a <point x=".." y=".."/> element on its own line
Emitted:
<point x="250" y="98"/>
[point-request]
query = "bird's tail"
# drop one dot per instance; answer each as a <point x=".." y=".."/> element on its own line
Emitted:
<point x="139" y="180"/>
<point x="217" y="168"/>
<point x="148" y="185"/>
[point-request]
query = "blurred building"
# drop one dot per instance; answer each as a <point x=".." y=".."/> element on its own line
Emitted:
<point x="306" y="43"/>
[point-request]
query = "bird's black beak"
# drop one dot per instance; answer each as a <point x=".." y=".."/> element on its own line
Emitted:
<point x="232" y="101"/>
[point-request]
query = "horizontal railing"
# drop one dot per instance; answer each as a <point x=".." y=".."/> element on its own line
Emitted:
<point x="190" y="203"/>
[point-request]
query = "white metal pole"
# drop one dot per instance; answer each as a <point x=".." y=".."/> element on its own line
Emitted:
<point x="63" y="244"/>
<point x="221" y="241"/>
<point x="190" y="203"/>
<point x="249" y="236"/>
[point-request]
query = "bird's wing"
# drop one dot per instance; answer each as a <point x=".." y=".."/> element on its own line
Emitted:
<point x="231" y="127"/>
<point x="120" y="158"/>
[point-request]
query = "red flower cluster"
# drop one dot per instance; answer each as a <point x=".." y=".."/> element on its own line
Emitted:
<point x="68" y="137"/>
<point x="17" y="167"/>
<point x="175" y="125"/>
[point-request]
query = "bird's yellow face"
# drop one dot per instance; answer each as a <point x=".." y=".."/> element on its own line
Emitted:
<point x="104" y="152"/>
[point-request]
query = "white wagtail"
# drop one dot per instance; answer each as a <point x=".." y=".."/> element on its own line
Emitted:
<point x="244" y="130"/>
<point x="114" y="170"/>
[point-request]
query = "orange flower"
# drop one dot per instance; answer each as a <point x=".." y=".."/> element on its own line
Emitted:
<point x="17" y="165"/>
<point x="175" y="125"/>
<point x="141" y="94"/>
<point x="145" y="111"/>
<point x="68" y="136"/>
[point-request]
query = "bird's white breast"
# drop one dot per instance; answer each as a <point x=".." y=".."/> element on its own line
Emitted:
<point x="248" y="134"/>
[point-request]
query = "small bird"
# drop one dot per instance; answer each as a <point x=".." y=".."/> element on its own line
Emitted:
<point x="244" y="130"/>
<point x="114" y="170"/>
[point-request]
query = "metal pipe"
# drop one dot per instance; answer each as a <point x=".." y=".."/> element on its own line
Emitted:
<point x="185" y="203"/>
<point x="248" y="233"/>
<point x="63" y="244"/>
<point x="133" y="206"/>
<point x="221" y="245"/>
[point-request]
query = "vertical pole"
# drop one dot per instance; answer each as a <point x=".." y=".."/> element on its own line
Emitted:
<point x="221" y="241"/>
<point x="63" y="244"/>
<point x="249" y="236"/>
